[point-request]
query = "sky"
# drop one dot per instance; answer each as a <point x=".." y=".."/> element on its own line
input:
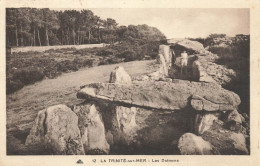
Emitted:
<point x="180" y="23"/>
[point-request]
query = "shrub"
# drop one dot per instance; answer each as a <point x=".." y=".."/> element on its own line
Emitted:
<point x="65" y="66"/>
<point x="103" y="62"/>
<point x="28" y="75"/>
<point x="128" y="55"/>
<point x="13" y="85"/>
<point x="88" y="62"/>
<point x="106" y="52"/>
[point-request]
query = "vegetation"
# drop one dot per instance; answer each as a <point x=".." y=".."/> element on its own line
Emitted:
<point x="236" y="56"/>
<point x="26" y="68"/>
<point x="44" y="27"/>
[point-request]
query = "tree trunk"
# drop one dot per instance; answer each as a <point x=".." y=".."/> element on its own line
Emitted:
<point x="21" y="35"/>
<point x="68" y="36"/>
<point x="16" y="36"/>
<point x="99" y="39"/>
<point x="74" y="35"/>
<point x="47" y="36"/>
<point x="34" y="42"/>
<point x="89" y="36"/>
<point x="78" y="38"/>
<point x="61" y="36"/>
<point x="39" y="37"/>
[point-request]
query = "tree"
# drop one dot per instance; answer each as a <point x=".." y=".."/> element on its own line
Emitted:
<point x="32" y="27"/>
<point x="50" y="22"/>
<point x="12" y="26"/>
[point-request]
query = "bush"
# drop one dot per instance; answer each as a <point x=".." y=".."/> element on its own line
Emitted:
<point x="13" y="85"/>
<point x="28" y="75"/>
<point x="106" y="52"/>
<point x="128" y="55"/>
<point x="88" y="62"/>
<point x="65" y="66"/>
<point x="103" y="62"/>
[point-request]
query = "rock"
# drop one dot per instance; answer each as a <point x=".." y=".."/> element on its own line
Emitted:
<point x="188" y="44"/>
<point x="203" y="122"/>
<point x="120" y="76"/>
<point x="199" y="103"/>
<point x="233" y="120"/>
<point x="163" y="68"/>
<point x="190" y="144"/>
<point x="109" y="138"/>
<point x="92" y="129"/>
<point x="226" y="141"/>
<point x="124" y="124"/>
<point x="199" y="74"/>
<point x="204" y="69"/>
<point x="155" y="76"/>
<point x="126" y="118"/>
<point x="167" y="54"/>
<point x="239" y="142"/>
<point x="245" y="116"/>
<point x="56" y="130"/>
<point x="173" y="95"/>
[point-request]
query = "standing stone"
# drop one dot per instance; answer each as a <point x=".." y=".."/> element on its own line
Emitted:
<point x="203" y="122"/>
<point x="166" y="52"/>
<point x="163" y="70"/>
<point x="56" y="130"/>
<point x="120" y="76"/>
<point x="190" y="144"/>
<point x="124" y="124"/>
<point x="92" y="129"/>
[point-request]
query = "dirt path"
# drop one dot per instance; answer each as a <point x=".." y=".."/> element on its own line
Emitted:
<point x="23" y="105"/>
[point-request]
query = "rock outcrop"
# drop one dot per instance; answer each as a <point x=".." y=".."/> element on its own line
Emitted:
<point x="56" y="130"/>
<point x="120" y="76"/>
<point x="198" y="73"/>
<point x="191" y="144"/>
<point x="205" y="70"/>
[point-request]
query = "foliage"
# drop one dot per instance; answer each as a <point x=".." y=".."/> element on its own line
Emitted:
<point x="236" y="57"/>
<point x="37" y="27"/>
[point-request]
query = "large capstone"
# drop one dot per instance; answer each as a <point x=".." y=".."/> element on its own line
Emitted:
<point x="174" y="95"/>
